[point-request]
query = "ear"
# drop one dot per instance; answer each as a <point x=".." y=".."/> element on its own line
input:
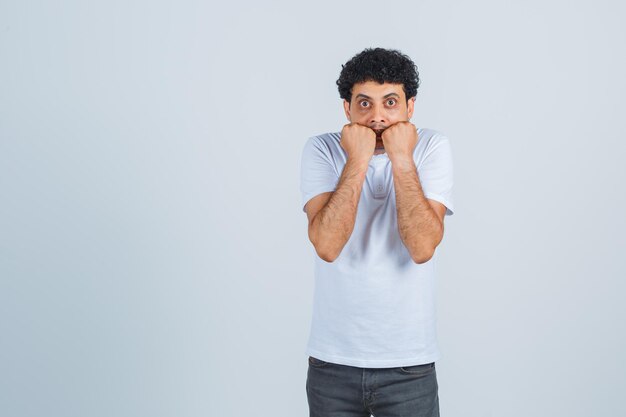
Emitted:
<point x="410" y="106"/>
<point x="346" y="108"/>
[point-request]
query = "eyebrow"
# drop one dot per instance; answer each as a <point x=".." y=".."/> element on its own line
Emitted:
<point x="368" y="97"/>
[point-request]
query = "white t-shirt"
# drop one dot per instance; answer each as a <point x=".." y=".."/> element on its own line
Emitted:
<point x="373" y="306"/>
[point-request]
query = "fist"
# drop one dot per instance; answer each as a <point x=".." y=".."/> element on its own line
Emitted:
<point x="400" y="140"/>
<point x="358" y="141"/>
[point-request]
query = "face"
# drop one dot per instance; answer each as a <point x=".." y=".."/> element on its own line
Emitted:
<point x="378" y="106"/>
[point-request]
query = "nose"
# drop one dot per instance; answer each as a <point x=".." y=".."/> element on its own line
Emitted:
<point x="378" y="116"/>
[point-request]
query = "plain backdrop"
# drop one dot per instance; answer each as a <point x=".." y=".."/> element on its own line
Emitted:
<point x="154" y="259"/>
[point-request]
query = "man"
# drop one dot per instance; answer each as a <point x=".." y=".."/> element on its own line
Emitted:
<point x="375" y="196"/>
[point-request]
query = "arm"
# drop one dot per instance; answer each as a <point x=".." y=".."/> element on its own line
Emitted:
<point x="332" y="215"/>
<point x="420" y="220"/>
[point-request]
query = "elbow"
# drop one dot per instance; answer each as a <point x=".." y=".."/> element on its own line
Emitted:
<point x="326" y="256"/>
<point x="423" y="256"/>
<point x="323" y="252"/>
<point x="424" y="253"/>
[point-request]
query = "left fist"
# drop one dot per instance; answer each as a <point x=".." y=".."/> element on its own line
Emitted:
<point x="400" y="140"/>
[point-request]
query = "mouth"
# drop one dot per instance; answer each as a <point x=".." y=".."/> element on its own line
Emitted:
<point x="379" y="131"/>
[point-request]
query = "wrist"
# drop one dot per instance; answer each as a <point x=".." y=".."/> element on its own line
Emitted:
<point x="358" y="162"/>
<point x="403" y="164"/>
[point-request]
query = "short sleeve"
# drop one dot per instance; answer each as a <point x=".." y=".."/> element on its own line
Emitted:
<point x="436" y="172"/>
<point x="318" y="174"/>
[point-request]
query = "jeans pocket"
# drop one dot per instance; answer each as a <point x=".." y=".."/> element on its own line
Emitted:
<point x="423" y="369"/>
<point x="318" y="363"/>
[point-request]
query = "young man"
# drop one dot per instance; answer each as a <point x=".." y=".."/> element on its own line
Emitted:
<point x="375" y="196"/>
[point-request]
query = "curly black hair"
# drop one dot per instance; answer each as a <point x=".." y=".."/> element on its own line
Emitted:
<point x="381" y="65"/>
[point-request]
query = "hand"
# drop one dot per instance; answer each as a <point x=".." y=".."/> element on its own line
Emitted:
<point x="400" y="140"/>
<point x="358" y="141"/>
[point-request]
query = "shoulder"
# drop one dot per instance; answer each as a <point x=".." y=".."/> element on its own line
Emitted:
<point x="428" y="140"/>
<point x="430" y="136"/>
<point x="326" y="143"/>
<point x="328" y="138"/>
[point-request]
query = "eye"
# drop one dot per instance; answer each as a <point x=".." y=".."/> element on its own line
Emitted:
<point x="364" y="103"/>
<point x="391" y="102"/>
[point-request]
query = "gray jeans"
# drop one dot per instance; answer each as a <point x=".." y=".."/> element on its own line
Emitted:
<point x="335" y="390"/>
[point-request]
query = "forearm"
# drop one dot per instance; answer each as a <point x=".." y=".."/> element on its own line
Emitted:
<point x="333" y="225"/>
<point x="418" y="224"/>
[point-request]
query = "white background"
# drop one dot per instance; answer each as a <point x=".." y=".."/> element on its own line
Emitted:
<point x="154" y="259"/>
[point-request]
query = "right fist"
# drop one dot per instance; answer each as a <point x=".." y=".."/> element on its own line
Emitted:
<point x="358" y="141"/>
